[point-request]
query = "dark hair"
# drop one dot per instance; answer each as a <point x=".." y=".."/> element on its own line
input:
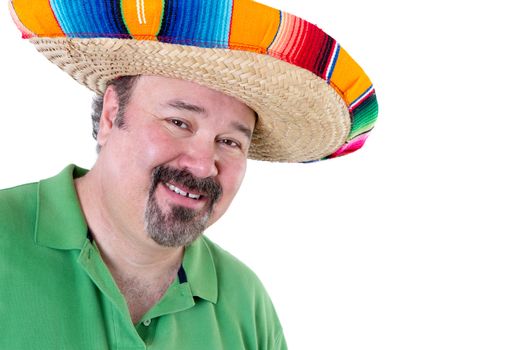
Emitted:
<point x="123" y="87"/>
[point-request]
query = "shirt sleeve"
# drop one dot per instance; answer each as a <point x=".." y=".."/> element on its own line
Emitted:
<point x="280" y="343"/>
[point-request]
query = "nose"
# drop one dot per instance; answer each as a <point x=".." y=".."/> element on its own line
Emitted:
<point x="199" y="158"/>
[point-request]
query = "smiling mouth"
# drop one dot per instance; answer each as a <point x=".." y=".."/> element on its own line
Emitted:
<point x="178" y="191"/>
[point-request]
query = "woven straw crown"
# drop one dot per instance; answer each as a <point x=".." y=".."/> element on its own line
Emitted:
<point x="313" y="100"/>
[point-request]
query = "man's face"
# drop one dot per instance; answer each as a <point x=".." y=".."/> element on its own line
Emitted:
<point x="176" y="164"/>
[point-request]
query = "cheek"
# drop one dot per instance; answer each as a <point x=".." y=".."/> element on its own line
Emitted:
<point x="233" y="175"/>
<point x="151" y="148"/>
<point x="230" y="179"/>
<point x="139" y="154"/>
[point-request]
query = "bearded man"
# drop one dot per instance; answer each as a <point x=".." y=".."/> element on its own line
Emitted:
<point x="186" y="92"/>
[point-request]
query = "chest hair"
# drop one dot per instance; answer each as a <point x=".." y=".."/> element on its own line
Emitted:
<point x="141" y="295"/>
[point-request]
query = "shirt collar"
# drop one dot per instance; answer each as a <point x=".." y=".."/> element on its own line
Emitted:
<point x="200" y="269"/>
<point x="60" y="224"/>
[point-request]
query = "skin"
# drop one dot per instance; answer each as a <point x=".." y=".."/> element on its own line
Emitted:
<point x="168" y="122"/>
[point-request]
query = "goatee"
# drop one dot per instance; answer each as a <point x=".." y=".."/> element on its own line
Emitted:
<point x="179" y="226"/>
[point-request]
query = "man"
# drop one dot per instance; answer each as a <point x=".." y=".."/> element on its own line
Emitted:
<point x="114" y="258"/>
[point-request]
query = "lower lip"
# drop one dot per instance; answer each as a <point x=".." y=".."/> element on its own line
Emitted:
<point x="184" y="201"/>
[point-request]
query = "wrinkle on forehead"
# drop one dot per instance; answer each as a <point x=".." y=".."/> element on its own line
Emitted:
<point x="185" y="106"/>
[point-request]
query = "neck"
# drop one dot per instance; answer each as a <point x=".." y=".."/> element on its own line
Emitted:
<point x="125" y="247"/>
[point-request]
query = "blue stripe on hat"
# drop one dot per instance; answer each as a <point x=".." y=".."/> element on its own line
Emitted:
<point x="87" y="19"/>
<point x="196" y="22"/>
<point x="335" y="56"/>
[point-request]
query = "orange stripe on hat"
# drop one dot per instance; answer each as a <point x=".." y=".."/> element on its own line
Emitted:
<point x="348" y="78"/>
<point x="253" y="35"/>
<point x="26" y="33"/>
<point x="143" y="18"/>
<point x="36" y="18"/>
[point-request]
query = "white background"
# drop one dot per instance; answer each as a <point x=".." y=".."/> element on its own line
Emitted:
<point x="414" y="242"/>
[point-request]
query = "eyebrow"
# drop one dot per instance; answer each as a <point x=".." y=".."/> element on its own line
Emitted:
<point x="184" y="106"/>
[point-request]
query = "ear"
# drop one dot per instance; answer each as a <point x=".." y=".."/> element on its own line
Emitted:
<point x="109" y="114"/>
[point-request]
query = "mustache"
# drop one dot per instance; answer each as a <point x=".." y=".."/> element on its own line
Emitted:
<point x="205" y="186"/>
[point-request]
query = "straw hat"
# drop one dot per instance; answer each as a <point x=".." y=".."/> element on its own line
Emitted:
<point x="313" y="100"/>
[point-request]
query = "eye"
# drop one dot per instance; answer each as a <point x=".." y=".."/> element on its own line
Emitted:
<point x="179" y="123"/>
<point x="230" y="143"/>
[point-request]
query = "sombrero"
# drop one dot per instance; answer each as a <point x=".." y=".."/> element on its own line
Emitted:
<point x="313" y="100"/>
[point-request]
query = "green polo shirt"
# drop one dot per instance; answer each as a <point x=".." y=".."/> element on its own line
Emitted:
<point x="57" y="293"/>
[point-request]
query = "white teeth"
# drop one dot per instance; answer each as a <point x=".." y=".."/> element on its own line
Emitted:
<point x="193" y="196"/>
<point x="181" y="192"/>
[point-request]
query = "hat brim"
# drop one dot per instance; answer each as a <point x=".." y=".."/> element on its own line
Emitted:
<point x="301" y="118"/>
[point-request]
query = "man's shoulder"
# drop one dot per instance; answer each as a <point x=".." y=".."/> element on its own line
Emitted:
<point x="18" y="200"/>
<point x="231" y="268"/>
<point x="236" y="281"/>
<point x="18" y="190"/>
<point x="23" y="200"/>
<point x="18" y="210"/>
<point x="242" y="294"/>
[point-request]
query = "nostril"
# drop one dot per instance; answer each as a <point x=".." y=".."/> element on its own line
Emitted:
<point x="200" y="166"/>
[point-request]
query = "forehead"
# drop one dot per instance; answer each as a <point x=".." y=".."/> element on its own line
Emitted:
<point x="165" y="91"/>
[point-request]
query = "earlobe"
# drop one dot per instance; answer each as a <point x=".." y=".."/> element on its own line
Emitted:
<point x="108" y="115"/>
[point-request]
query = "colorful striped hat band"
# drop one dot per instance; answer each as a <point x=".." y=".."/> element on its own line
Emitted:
<point x="313" y="100"/>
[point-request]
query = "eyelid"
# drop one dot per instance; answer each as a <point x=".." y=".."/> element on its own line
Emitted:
<point x="174" y="121"/>
<point x="225" y="141"/>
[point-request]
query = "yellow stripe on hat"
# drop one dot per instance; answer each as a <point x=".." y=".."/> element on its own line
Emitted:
<point x="349" y="78"/>
<point x="143" y="18"/>
<point x="251" y="35"/>
<point x="37" y="17"/>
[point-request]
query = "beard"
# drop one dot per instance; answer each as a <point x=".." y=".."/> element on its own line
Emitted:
<point x="179" y="226"/>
